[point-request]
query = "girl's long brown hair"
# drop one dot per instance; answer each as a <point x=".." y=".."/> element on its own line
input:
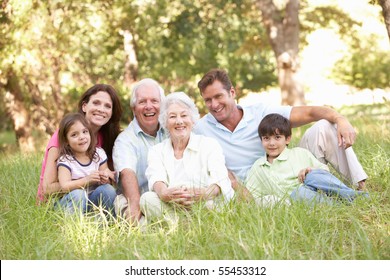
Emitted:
<point x="65" y="125"/>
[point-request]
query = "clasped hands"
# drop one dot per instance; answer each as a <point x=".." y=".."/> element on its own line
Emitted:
<point x="183" y="196"/>
<point x="101" y="177"/>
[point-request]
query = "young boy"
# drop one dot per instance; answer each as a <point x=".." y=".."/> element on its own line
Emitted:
<point x="285" y="174"/>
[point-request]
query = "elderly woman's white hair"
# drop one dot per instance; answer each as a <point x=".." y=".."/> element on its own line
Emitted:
<point x="177" y="98"/>
<point x="146" y="81"/>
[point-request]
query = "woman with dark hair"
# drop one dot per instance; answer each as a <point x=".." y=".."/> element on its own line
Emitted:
<point x="101" y="107"/>
<point x="109" y="130"/>
<point x="83" y="173"/>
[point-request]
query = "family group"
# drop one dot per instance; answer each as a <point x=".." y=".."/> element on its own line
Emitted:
<point x="168" y="158"/>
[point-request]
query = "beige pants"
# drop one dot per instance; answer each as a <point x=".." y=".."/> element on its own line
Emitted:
<point x="321" y="140"/>
<point x="152" y="206"/>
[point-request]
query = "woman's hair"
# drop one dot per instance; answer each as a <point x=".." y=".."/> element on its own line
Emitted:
<point x="146" y="81"/>
<point x="273" y="124"/>
<point x="215" y="75"/>
<point x="111" y="129"/>
<point x="66" y="123"/>
<point x="177" y="98"/>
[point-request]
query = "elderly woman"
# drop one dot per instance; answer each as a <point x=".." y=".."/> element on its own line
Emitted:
<point x="186" y="168"/>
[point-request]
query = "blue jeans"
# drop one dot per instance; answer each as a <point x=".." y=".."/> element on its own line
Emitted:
<point x="79" y="200"/>
<point x="320" y="186"/>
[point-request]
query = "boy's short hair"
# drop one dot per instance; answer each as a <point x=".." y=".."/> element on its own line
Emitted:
<point x="273" y="124"/>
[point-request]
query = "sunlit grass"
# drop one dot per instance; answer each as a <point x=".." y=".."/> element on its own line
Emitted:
<point x="240" y="231"/>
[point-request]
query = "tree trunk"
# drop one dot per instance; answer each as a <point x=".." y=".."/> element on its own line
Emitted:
<point x="131" y="62"/>
<point x="283" y="33"/>
<point x="291" y="88"/>
<point x="385" y="4"/>
<point x="40" y="115"/>
<point x="56" y="89"/>
<point x="19" y="114"/>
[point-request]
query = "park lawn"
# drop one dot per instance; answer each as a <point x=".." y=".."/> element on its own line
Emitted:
<point x="241" y="231"/>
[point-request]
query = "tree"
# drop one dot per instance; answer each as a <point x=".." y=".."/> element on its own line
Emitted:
<point x="385" y="4"/>
<point x="282" y="25"/>
<point x="52" y="51"/>
<point x="52" y="61"/>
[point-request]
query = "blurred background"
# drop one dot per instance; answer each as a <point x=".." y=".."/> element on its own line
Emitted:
<point x="321" y="52"/>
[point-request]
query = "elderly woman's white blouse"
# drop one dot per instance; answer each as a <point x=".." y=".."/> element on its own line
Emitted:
<point x="203" y="161"/>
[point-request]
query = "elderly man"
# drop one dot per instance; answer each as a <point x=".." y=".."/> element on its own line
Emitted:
<point x="235" y="128"/>
<point x="131" y="147"/>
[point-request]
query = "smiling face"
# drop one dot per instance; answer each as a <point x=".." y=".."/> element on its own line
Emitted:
<point x="147" y="108"/>
<point x="179" y="122"/>
<point x="219" y="101"/>
<point x="274" y="145"/>
<point x="98" y="109"/>
<point x="78" y="138"/>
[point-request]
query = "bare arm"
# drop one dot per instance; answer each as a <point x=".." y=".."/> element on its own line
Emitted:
<point x="67" y="184"/>
<point x="131" y="192"/>
<point x="301" y="115"/>
<point x="50" y="178"/>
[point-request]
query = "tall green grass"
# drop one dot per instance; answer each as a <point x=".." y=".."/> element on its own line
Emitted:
<point x="240" y="231"/>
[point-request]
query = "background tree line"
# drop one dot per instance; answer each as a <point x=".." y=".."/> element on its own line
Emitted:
<point x="52" y="51"/>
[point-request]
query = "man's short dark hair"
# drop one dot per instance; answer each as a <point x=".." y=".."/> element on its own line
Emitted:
<point x="212" y="76"/>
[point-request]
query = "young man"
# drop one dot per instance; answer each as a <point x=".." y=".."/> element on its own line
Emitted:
<point x="132" y="145"/>
<point x="235" y="128"/>
<point x="295" y="174"/>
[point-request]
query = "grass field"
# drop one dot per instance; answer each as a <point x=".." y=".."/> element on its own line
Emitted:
<point x="360" y="231"/>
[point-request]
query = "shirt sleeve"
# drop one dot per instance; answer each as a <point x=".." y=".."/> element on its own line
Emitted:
<point x="156" y="171"/>
<point x="253" y="181"/>
<point x="63" y="161"/>
<point x="102" y="156"/>
<point x="124" y="153"/>
<point x="285" y="111"/>
<point x="218" y="173"/>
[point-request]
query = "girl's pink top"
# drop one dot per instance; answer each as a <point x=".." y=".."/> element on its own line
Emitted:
<point x="54" y="142"/>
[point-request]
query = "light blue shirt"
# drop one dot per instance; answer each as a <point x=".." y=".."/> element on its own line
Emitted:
<point x="242" y="147"/>
<point x="131" y="149"/>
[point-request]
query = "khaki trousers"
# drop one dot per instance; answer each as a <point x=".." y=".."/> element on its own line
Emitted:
<point x="321" y="140"/>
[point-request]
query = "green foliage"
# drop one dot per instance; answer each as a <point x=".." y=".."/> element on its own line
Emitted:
<point x="55" y="50"/>
<point x="184" y="39"/>
<point x="365" y="66"/>
<point x="7" y="141"/>
<point x="239" y="232"/>
<point x="72" y="45"/>
<point x="313" y="18"/>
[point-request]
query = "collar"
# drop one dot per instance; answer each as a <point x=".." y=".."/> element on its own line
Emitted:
<point x="138" y="130"/>
<point x="194" y="144"/>
<point x="247" y="116"/>
<point x="282" y="157"/>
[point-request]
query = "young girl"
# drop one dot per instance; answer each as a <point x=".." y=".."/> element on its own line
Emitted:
<point x="101" y="106"/>
<point x="83" y="173"/>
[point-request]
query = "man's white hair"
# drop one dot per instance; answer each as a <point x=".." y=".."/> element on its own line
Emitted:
<point x="146" y="81"/>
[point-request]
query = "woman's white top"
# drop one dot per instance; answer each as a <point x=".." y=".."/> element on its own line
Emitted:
<point x="202" y="165"/>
